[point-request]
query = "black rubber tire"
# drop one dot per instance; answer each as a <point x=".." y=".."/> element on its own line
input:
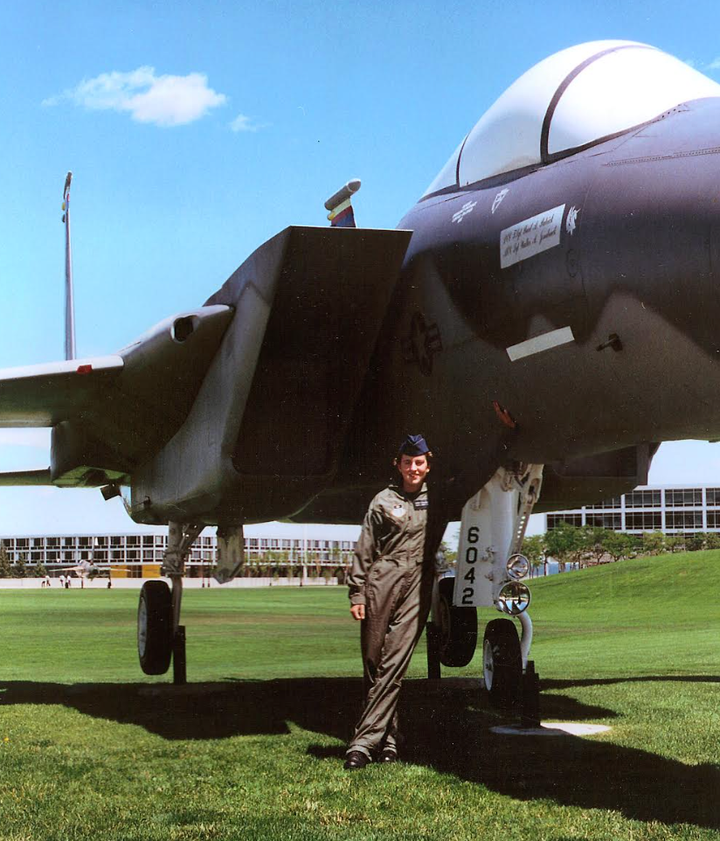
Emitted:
<point x="155" y="628"/>
<point x="502" y="664"/>
<point x="457" y="628"/>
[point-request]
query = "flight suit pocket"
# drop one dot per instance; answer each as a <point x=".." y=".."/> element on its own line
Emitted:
<point x="382" y="573"/>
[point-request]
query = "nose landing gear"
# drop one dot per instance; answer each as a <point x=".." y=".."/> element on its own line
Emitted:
<point x="488" y="571"/>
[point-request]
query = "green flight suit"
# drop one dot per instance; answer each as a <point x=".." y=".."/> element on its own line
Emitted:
<point x="391" y="576"/>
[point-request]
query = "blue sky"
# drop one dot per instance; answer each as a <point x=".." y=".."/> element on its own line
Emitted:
<point x="197" y="130"/>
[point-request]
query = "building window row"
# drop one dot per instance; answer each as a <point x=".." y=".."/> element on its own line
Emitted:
<point x="656" y="497"/>
<point x="644" y="521"/>
<point x="614" y="502"/>
<point x="135" y="549"/>
<point x="650" y="509"/>
<point x="643" y="499"/>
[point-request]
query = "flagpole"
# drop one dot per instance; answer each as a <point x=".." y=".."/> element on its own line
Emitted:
<point x="69" y="302"/>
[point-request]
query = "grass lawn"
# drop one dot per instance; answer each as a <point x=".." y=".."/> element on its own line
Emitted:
<point x="251" y="748"/>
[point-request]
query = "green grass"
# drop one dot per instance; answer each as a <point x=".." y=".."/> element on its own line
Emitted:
<point x="251" y="748"/>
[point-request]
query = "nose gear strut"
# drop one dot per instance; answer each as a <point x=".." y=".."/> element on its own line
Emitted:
<point x="489" y="566"/>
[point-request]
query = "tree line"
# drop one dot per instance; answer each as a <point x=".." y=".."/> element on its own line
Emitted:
<point x="582" y="546"/>
<point x="577" y="546"/>
<point x="19" y="569"/>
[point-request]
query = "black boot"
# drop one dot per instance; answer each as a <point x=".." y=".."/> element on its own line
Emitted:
<point x="356" y="759"/>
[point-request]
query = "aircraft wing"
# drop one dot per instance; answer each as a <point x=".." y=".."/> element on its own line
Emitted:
<point x="46" y="394"/>
<point x="26" y="477"/>
<point x="110" y="413"/>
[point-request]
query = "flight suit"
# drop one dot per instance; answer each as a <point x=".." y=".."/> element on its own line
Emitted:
<point x="390" y="575"/>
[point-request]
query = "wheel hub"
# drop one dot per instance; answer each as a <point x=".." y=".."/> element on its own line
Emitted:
<point x="142" y="628"/>
<point x="488" y="664"/>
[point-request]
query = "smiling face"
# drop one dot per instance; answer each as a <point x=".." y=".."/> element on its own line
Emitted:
<point x="413" y="470"/>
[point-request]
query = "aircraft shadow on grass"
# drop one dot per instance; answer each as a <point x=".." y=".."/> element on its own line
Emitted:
<point x="449" y="722"/>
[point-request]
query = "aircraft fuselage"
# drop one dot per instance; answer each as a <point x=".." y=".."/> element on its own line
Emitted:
<point x="617" y="241"/>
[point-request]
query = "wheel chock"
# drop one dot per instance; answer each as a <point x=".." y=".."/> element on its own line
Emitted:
<point x="179" y="661"/>
<point x="530" y="701"/>
<point x="433" y="651"/>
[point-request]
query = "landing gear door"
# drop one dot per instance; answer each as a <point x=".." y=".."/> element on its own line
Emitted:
<point x="492" y="529"/>
<point x="485" y="535"/>
<point x="473" y="579"/>
<point x="230" y="554"/>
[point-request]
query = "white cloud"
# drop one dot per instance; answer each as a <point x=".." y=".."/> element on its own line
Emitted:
<point x="163" y="100"/>
<point x="243" y="123"/>
<point x="714" y="64"/>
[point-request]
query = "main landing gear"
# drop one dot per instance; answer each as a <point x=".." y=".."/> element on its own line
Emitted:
<point x="160" y="636"/>
<point x="489" y="572"/>
<point x="155" y="627"/>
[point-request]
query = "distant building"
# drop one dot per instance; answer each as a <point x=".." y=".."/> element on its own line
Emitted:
<point x="140" y="555"/>
<point x="670" y="509"/>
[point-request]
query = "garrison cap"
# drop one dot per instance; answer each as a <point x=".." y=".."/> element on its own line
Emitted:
<point x="413" y="445"/>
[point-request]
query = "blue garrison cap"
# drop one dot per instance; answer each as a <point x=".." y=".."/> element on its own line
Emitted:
<point x="413" y="445"/>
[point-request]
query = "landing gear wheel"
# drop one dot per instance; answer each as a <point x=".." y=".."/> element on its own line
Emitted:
<point x="155" y="628"/>
<point x="502" y="664"/>
<point x="458" y="628"/>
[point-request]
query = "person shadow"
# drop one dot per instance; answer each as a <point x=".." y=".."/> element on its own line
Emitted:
<point x="448" y="724"/>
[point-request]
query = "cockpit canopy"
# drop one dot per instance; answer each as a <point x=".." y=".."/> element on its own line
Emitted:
<point x="569" y="101"/>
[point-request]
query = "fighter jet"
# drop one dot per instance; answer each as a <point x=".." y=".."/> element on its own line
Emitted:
<point x="84" y="570"/>
<point x="545" y="314"/>
<point x="88" y="570"/>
